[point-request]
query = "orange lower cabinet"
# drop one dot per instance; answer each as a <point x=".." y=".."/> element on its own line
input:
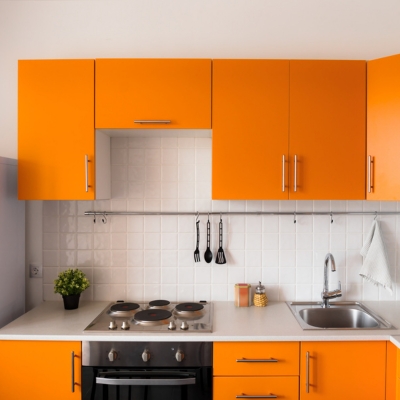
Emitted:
<point x="38" y="370"/>
<point x="343" y="370"/>
<point x="285" y="387"/>
<point x="256" y="358"/>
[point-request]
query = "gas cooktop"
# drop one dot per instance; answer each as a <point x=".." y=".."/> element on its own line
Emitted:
<point x="155" y="316"/>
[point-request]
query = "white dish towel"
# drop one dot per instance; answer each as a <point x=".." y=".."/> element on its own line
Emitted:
<point x="375" y="267"/>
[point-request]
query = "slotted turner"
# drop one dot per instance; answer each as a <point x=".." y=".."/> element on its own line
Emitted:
<point x="220" y="258"/>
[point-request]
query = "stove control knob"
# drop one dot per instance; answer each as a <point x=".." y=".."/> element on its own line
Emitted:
<point x="146" y="356"/>
<point x="113" y="325"/>
<point x="172" y="326"/>
<point x="179" y="356"/>
<point x="125" y="325"/>
<point x="112" y="355"/>
<point x="184" y="326"/>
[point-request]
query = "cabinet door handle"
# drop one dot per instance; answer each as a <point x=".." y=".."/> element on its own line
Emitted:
<point x="87" y="173"/>
<point x="307" y="372"/>
<point x="295" y="173"/>
<point x="257" y="360"/>
<point x="261" y="396"/>
<point x="370" y="185"/>
<point x="73" y="371"/>
<point x="283" y="173"/>
<point x="152" y="121"/>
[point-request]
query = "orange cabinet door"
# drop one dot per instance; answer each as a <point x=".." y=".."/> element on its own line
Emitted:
<point x="250" y="129"/>
<point x="383" y="128"/>
<point x="256" y="358"/>
<point x="343" y="370"/>
<point x="231" y="388"/>
<point x="40" y="370"/>
<point x="327" y="129"/>
<point x="154" y="91"/>
<point x="55" y="129"/>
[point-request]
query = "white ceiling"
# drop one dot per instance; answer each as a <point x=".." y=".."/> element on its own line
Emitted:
<point x="358" y="29"/>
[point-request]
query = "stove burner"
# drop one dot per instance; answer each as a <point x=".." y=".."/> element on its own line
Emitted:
<point x="152" y="317"/>
<point x="189" y="307"/>
<point x="124" y="307"/>
<point x="159" y="303"/>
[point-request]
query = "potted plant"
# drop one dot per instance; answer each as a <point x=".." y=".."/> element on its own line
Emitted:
<point x="70" y="284"/>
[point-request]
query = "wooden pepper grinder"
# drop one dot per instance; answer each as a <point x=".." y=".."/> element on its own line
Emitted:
<point x="260" y="298"/>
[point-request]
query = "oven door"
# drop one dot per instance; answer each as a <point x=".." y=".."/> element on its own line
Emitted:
<point x="146" y="384"/>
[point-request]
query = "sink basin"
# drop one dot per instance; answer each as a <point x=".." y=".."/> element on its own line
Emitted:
<point x="341" y="315"/>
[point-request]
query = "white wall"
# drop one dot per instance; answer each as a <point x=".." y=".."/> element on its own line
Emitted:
<point x="149" y="257"/>
<point x="359" y="29"/>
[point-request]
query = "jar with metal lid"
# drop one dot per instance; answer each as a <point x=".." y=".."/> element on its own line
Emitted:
<point x="260" y="298"/>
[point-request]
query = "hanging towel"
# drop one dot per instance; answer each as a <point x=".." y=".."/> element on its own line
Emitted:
<point x="375" y="267"/>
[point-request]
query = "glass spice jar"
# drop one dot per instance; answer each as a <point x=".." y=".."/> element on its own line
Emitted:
<point x="260" y="298"/>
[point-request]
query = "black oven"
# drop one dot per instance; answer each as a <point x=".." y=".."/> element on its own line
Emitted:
<point x="147" y="371"/>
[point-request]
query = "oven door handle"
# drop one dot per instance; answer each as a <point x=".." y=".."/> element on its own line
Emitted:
<point x="145" y="382"/>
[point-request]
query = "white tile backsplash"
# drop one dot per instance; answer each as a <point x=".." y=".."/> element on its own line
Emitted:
<point x="147" y="257"/>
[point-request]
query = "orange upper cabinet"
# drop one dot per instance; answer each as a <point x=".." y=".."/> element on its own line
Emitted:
<point x="342" y="370"/>
<point x="250" y="129"/>
<point x="56" y="142"/>
<point x="383" y="129"/>
<point x="327" y="129"/>
<point x="153" y="93"/>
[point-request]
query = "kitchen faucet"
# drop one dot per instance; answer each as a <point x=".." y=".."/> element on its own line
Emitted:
<point x="326" y="294"/>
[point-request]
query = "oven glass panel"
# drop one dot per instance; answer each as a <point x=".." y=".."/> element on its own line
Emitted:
<point x="181" y="384"/>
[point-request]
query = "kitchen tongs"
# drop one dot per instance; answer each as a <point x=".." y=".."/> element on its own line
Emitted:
<point x="197" y="252"/>
<point x="220" y="259"/>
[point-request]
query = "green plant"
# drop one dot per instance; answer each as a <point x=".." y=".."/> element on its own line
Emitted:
<point x="71" y="281"/>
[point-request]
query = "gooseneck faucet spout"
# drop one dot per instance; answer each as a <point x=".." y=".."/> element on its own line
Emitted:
<point x="326" y="294"/>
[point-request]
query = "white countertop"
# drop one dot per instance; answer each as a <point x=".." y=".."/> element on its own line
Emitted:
<point x="49" y="321"/>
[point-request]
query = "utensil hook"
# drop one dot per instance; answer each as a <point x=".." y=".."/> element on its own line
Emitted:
<point x="197" y="216"/>
<point x="294" y="218"/>
<point x="376" y="215"/>
<point x="104" y="219"/>
<point x="220" y="217"/>
<point x="331" y="218"/>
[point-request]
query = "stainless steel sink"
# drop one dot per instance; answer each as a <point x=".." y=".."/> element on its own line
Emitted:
<point x="340" y="315"/>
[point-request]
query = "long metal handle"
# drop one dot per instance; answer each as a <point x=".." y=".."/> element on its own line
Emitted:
<point x="283" y="173"/>
<point x="86" y="173"/>
<point x="370" y="186"/>
<point x="145" y="382"/>
<point x="261" y="396"/>
<point x="73" y="371"/>
<point x="152" y="121"/>
<point x="295" y="173"/>
<point x="307" y="372"/>
<point x="257" y="360"/>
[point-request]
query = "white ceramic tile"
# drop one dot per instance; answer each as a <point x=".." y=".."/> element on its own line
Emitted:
<point x="50" y="208"/>
<point x="152" y="259"/>
<point x="102" y="258"/>
<point x="119" y="258"/>
<point x="186" y="156"/>
<point x="287" y="292"/>
<point x="169" y="241"/>
<point x="119" y="142"/>
<point x="169" y="173"/>
<point x="135" y="293"/>
<point x="203" y="142"/>
<point x="304" y="258"/>
<point x="50" y="223"/>
<point x="270" y="223"/>
<point x="270" y="205"/>
<point x="84" y="224"/>
<point x="169" y="156"/>
<point x="67" y="258"/>
<point x="186" y="190"/>
<point x="253" y="241"/>
<point x="203" y="172"/>
<point x="119" y="241"/>
<point x="270" y="241"/>
<point x="169" y="258"/>
<point x="50" y="241"/>
<point x="84" y="241"/>
<point x="84" y="258"/>
<point x="287" y="258"/>
<point x="220" y="292"/>
<point x="50" y="258"/>
<point x="119" y="173"/>
<point x="152" y="157"/>
<point x="119" y="205"/>
<point x="136" y="173"/>
<point x="270" y="258"/>
<point x="185" y="293"/>
<point x="253" y="259"/>
<point x="167" y="142"/>
<point x="203" y="156"/>
<point x="153" y="174"/>
<point x="101" y="241"/>
<point x="287" y="241"/>
<point x="135" y="275"/>
<point x="119" y="156"/>
<point x="169" y="205"/>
